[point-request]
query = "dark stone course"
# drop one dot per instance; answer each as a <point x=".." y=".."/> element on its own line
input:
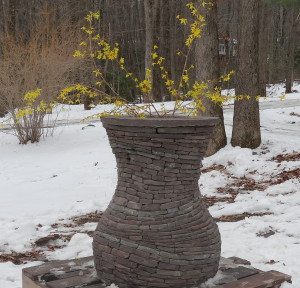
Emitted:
<point x="157" y="232"/>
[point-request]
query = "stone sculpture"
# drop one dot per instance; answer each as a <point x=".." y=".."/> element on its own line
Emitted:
<point x="156" y="231"/>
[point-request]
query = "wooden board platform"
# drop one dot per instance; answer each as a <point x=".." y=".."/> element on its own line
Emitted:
<point x="233" y="273"/>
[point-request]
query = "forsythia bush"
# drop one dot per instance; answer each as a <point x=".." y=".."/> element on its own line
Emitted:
<point x="187" y="95"/>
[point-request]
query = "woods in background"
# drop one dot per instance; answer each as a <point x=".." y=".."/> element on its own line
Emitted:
<point x="260" y="40"/>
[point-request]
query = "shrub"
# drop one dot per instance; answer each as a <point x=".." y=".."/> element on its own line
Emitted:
<point x="41" y="64"/>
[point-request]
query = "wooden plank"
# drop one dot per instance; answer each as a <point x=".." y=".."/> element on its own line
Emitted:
<point x="233" y="274"/>
<point x="242" y="272"/>
<point x="262" y="280"/>
<point x="52" y="276"/>
<point x="29" y="283"/>
<point x="77" y="281"/>
<point x="41" y="269"/>
<point x="33" y="272"/>
<point x="239" y="261"/>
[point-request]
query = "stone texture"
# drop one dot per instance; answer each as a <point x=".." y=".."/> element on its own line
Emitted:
<point x="80" y="272"/>
<point x="157" y="229"/>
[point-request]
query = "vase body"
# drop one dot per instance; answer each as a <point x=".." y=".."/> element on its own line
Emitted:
<point x="156" y="231"/>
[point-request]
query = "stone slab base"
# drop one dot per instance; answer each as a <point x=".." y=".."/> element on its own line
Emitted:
<point x="233" y="273"/>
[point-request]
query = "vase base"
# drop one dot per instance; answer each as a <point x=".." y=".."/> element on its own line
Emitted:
<point x="233" y="273"/>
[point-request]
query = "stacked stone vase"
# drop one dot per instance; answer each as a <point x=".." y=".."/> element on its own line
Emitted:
<point x="156" y="231"/>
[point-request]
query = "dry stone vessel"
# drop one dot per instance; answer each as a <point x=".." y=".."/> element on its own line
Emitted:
<point x="156" y="231"/>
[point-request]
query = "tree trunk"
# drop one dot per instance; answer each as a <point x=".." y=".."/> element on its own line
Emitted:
<point x="87" y="103"/>
<point x="13" y="18"/>
<point x="275" y="55"/>
<point x="162" y="38"/>
<point x="2" y="111"/>
<point x="264" y="40"/>
<point x="172" y="46"/>
<point x="246" y="121"/>
<point x="289" y="46"/>
<point x="150" y="7"/>
<point x="208" y="68"/>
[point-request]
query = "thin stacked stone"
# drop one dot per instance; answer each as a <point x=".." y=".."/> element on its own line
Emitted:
<point x="156" y="231"/>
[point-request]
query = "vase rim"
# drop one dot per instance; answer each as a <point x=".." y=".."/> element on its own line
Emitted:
<point x="173" y="121"/>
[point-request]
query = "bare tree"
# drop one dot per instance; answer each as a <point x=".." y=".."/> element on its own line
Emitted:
<point x="150" y="16"/>
<point x="264" y="45"/>
<point x="290" y="13"/>
<point x="246" y="120"/>
<point x="207" y="68"/>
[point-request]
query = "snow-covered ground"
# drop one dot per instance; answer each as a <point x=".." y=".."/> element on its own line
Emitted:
<point x="74" y="172"/>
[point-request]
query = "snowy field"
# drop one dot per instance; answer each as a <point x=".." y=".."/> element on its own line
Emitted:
<point x="254" y="195"/>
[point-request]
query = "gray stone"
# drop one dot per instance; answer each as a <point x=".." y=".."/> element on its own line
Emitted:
<point x="156" y="232"/>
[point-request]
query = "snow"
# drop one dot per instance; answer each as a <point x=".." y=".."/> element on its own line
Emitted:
<point x="10" y="274"/>
<point x="74" y="172"/>
<point x="54" y="179"/>
<point x="79" y="246"/>
<point x="274" y="92"/>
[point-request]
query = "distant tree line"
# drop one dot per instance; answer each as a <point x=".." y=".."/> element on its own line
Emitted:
<point x="260" y="40"/>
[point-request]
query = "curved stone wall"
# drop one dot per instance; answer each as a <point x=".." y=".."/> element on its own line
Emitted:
<point x="156" y="231"/>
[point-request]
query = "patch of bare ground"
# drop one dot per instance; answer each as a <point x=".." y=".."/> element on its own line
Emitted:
<point x="250" y="184"/>
<point x="22" y="258"/>
<point x="287" y="157"/>
<point x="212" y="200"/>
<point x="294" y="114"/>
<point x="93" y="217"/>
<point x="245" y="183"/>
<point x="74" y="224"/>
<point x="51" y="243"/>
<point x="287" y="175"/>
<point x="214" y="167"/>
<point x="64" y="231"/>
<point x="79" y="220"/>
<point x="239" y="217"/>
<point x="266" y="234"/>
<point x="271" y="262"/>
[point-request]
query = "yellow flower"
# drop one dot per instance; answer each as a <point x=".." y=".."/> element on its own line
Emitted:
<point x="78" y="54"/>
<point x="160" y="60"/>
<point x="92" y="16"/>
<point x="173" y="92"/>
<point x="183" y="21"/>
<point x="97" y="72"/>
<point x="32" y="96"/>
<point x="88" y="31"/>
<point x="145" y="86"/>
<point x="282" y="97"/>
<point x="119" y="103"/>
<point x="227" y="77"/>
<point x="169" y="82"/>
<point x="154" y="56"/>
<point x="96" y="37"/>
<point x="185" y="78"/>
